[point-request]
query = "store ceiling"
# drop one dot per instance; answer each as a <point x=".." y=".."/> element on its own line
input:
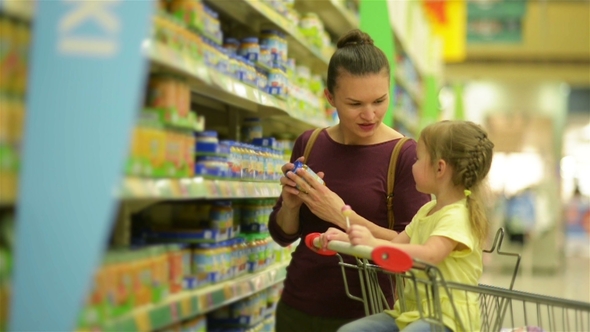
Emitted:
<point x="555" y="47"/>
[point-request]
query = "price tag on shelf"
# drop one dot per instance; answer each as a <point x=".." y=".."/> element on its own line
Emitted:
<point x="239" y="189"/>
<point x="276" y="190"/>
<point x="265" y="99"/>
<point x="221" y="81"/>
<point x="224" y="188"/>
<point x="164" y="188"/>
<point x="281" y="104"/>
<point x="202" y="73"/>
<point x="264" y="189"/>
<point x="250" y="189"/>
<point x="175" y="314"/>
<point x="175" y="189"/>
<point x="253" y="94"/>
<point x="187" y="64"/>
<point x="142" y="321"/>
<point x="240" y="90"/>
<point x="184" y="187"/>
<point x="229" y="292"/>
<point x="245" y="288"/>
<point x="132" y="188"/>
<point x="212" y="188"/>
<point x="185" y="307"/>
<point x="258" y="283"/>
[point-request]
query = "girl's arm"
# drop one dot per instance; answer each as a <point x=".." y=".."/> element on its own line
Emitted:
<point x="434" y="251"/>
<point x="401" y="238"/>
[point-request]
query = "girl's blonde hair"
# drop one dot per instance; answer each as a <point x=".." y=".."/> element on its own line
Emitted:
<point x="466" y="148"/>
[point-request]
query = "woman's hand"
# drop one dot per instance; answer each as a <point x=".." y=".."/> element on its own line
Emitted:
<point x="358" y="234"/>
<point x="332" y="234"/>
<point x="290" y="193"/>
<point x="320" y="200"/>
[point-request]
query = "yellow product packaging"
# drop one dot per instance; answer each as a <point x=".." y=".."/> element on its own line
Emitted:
<point x="156" y="150"/>
<point x="23" y="37"/>
<point x="7" y="53"/>
<point x="5" y="115"/>
<point x="144" y="294"/>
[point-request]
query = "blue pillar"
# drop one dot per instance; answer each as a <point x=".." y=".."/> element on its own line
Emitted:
<point x="85" y="85"/>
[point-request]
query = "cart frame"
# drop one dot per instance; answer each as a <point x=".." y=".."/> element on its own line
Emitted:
<point x="498" y="307"/>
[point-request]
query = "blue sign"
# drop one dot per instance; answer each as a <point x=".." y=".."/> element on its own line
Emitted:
<point x="86" y="82"/>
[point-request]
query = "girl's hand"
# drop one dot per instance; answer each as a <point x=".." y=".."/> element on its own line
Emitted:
<point x="332" y="234"/>
<point x="320" y="200"/>
<point x="361" y="235"/>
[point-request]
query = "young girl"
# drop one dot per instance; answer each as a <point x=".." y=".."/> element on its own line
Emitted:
<point x="453" y="158"/>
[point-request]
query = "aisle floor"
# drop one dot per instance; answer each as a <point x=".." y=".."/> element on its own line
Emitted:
<point x="571" y="283"/>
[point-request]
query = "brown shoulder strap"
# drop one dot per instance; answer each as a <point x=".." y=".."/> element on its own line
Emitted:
<point x="391" y="179"/>
<point x="310" y="143"/>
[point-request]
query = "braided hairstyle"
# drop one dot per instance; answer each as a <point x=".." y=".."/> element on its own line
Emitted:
<point x="466" y="148"/>
<point x="356" y="54"/>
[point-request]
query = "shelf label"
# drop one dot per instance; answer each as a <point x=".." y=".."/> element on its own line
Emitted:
<point x="142" y="321"/>
<point x="185" y="306"/>
<point x="241" y="91"/>
<point x="202" y="72"/>
<point x="78" y="127"/>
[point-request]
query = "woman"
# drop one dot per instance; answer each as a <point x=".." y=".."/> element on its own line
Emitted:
<point x="353" y="158"/>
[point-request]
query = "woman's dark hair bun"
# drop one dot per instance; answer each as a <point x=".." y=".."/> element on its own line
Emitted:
<point x="354" y="37"/>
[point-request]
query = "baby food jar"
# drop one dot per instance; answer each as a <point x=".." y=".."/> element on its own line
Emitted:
<point x="249" y="49"/>
<point x="309" y="171"/>
<point x="231" y="45"/>
<point x="251" y="129"/>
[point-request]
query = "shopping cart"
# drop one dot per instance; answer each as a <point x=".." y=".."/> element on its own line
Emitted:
<point x="498" y="309"/>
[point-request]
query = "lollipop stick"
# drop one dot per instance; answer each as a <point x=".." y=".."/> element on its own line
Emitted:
<point x="347" y="211"/>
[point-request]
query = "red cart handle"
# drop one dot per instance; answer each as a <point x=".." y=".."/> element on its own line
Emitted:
<point x="392" y="259"/>
<point x="309" y="243"/>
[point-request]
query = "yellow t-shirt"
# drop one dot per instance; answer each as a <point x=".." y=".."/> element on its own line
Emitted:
<point x="465" y="266"/>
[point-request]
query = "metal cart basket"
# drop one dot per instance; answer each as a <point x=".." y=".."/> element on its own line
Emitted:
<point x="496" y="309"/>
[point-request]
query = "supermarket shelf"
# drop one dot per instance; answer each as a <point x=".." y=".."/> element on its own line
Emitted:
<point x="249" y="11"/>
<point x="399" y="116"/>
<point x="20" y="9"/>
<point x="336" y="17"/>
<point x="134" y="188"/>
<point x="403" y="48"/>
<point x="212" y="84"/>
<point x="189" y="304"/>
<point x="406" y="86"/>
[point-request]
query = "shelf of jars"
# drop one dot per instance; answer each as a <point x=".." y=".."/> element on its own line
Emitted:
<point x="334" y="14"/>
<point x="210" y="72"/>
<point x="196" y="188"/>
<point x="403" y="121"/>
<point x="405" y="82"/>
<point x="187" y="304"/>
<point x="263" y="14"/>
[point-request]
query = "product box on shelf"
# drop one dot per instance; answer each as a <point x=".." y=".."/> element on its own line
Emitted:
<point x="247" y="313"/>
<point x="131" y="278"/>
<point x="206" y="222"/>
<point x="158" y="150"/>
<point x="197" y="324"/>
<point x="254" y="215"/>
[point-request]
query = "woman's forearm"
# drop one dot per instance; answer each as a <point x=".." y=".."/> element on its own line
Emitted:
<point x="288" y="220"/>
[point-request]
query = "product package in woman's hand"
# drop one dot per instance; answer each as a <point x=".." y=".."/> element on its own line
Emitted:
<point x="309" y="171"/>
